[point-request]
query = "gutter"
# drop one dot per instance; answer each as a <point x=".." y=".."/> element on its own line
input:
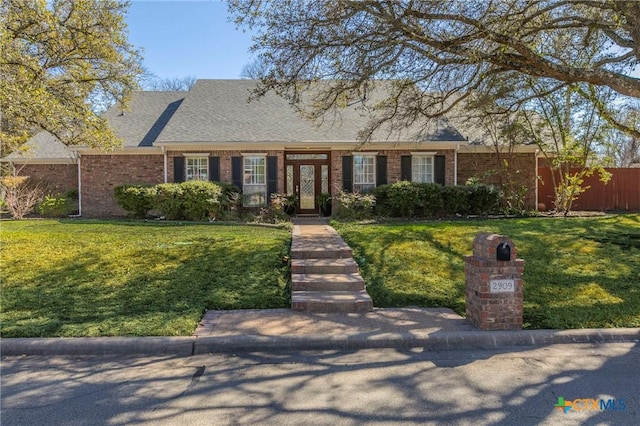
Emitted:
<point x="455" y="165"/>
<point x="79" y="187"/>
<point x="164" y="166"/>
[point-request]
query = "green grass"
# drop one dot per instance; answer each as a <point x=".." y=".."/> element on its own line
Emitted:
<point x="91" y="278"/>
<point x="579" y="272"/>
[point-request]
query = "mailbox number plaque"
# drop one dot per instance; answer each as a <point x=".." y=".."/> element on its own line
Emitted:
<point x="502" y="286"/>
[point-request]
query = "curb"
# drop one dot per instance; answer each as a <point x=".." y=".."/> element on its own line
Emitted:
<point x="191" y="345"/>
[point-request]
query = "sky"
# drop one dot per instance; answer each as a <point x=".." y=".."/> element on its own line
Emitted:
<point x="188" y="39"/>
<point x="191" y="38"/>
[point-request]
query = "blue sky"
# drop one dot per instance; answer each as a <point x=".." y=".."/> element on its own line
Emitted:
<point x="188" y="38"/>
<point x="191" y="39"/>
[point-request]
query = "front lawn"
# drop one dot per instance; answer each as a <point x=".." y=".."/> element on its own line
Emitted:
<point x="92" y="278"/>
<point x="579" y="272"/>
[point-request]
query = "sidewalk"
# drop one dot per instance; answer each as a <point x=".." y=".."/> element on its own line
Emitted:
<point x="286" y="330"/>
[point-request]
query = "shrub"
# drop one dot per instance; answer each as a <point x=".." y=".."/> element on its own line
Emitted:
<point x="230" y="201"/>
<point x="55" y="206"/>
<point x="429" y="198"/>
<point x="20" y="196"/>
<point x="455" y="200"/>
<point x="201" y="199"/>
<point x="136" y="199"/>
<point x="168" y="200"/>
<point x="404" y="198"/>
<point x="484" y="199"/>
<point x="192" y="200"/>
<point x="354" y="205"/>
<point x="408" y="199"/>
<point x="382" y="200"/>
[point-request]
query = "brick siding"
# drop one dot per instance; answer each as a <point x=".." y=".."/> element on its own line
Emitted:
<point x="510" y="170"/>
<point x="102" y="173"/>
<point x="56" y="178"/>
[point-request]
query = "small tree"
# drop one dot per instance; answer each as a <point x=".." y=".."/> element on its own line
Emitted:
<point x="20" y="196"/>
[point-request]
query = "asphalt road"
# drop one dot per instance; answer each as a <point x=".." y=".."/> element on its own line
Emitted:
<point x="381" y="386"/>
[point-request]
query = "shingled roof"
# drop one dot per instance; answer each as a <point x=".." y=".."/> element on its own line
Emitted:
<point x="219" y="111"/>
<point x="148" y="114"/>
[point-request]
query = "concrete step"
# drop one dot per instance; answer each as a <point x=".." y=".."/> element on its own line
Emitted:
<point x="319" y="247"/>
<point x="324" y="266"/>
<point x="327" y="282"/>
<point x="331" y="301"/>
<point x="315" y="252"/>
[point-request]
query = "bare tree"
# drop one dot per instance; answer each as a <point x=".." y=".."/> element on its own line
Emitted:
<point x="254" y="70"/>
<point x="183" y="84"/>
<point x="438" y="53"/>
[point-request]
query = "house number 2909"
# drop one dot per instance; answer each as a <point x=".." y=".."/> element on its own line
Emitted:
<point x="502" y="286"/>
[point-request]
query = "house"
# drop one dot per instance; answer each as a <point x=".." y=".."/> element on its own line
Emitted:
<point x="263" y="146"/>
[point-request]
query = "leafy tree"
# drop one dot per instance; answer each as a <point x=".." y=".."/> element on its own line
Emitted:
<point x="63" y="61"/>
<point x="438" y="53"/>
<point x="568" y="131"/>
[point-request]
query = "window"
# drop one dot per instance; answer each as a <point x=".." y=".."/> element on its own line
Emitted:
<point x="197" y="168"/>
<point x="364" y="173"/>
<point x="422" y="168"/>
<point x="255" y="181"/>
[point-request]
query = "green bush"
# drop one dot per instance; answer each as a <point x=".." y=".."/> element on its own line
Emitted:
<point x="192" y="200"/>
<point x="455" y="200"/>
<point x="354" y="205"/>
<point x="201" y="199"/>
<point x="169" y="200"/>
<point x="404" y="198"/>
<point x="55" y="206"/>
<point x="136" y="199"/>
<point x="484" y="199"/>
<point x="408" y="199"/>
<point x="429" y="198"/>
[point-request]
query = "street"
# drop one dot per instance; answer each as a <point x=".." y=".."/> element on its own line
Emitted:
<point x="390" y="386"/>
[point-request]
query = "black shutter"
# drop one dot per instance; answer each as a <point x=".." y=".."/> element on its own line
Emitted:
<point x="439" y="166"/>
<point x="405" y="167"/>
<point x="381" y="170"/>
<point x="178" y="169"/>
<point x="214" y="169"/>
<point x="347" y="173"/>
<point x="236" y="172"/>
<point x="272" y="175"/>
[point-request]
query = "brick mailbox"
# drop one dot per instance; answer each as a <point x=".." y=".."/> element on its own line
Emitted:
<point x="494" y="284"/>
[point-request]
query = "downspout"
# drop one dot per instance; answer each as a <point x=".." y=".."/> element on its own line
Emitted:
<point x="537" y="180"/>
<point x="455" y="165"/>
<point x="79" y="186"/>
<point x="164" y="154"/>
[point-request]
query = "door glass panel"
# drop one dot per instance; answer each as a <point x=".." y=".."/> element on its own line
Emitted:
<point x="307" y="187"/>
<point x="289" y="179"/>
<point x="325" y="178"/>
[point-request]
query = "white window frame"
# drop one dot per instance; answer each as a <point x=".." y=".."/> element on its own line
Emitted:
<point x="420" y="171"/>
<point x="365" y="180"/>
<point x="196" y="167"/>
<point x="254" y="179"/>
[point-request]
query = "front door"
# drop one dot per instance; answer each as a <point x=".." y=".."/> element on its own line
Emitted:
<point x="307" y="175"/>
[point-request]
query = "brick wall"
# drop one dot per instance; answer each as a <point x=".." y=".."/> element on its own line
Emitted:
<point x="510" y="170"/>
<point x="393" y="164"/>
<point x="57" y="178"/>
<point x="225" y="163"/>
<point x="102" y="173"/>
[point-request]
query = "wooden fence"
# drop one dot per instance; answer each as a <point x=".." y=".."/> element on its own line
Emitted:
<point x="622" y="192"/>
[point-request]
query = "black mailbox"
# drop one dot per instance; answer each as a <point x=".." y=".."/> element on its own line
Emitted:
<point x="503" y="252"/>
